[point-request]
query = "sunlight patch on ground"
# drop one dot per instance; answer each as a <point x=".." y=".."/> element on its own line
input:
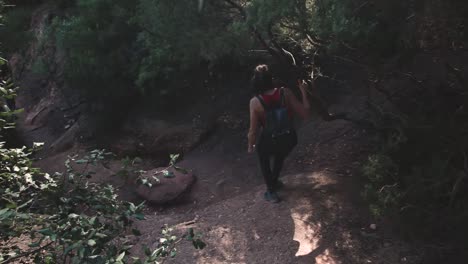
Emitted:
<point x="319" y="178"/>
<point x="307" y="235"/>
<point x="307" y="217"/>
<point x="326" y="258"/>
<point x="304" y="233"/>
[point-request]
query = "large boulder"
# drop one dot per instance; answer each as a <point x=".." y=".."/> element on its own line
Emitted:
<point x="169" y="186"/>
<point x="155" y="137"/>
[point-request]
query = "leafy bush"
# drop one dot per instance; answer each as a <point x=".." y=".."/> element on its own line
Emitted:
<point x="120" y="48"/>
<point x="98" y="39"/>
<point x="178" y="38"/>
<point x="16" y="36"/>
<point x="65" y="217"/>
<point x="382" y="190"/>
<point x="420" y="171"/>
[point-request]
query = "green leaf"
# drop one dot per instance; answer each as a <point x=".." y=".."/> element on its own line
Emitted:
<point x="73" y="216"/>
<point x="182" y="170"/>
<point x="70" y="248"/>
<point x="37" y="145"/>
<point x="173" y="158"/>
<point x="140" y="216"/>
<point x="91" y="242"/>
<point x="46" y="232"/>
<point x="137" y="160"/>
<point x="147" y="251"/>
<point x="190" y="234"/>
<point x="35" y="244"/>
<point x="11" y="205"/>
<point x="168" y="174"/>
<point x="136" y="232"/>
<point x="100" y="235"/>
<point x="120" y="257"/>
<point x="198" y="244"/>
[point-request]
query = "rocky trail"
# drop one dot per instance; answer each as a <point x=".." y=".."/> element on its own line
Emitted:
<point x="321" y="218"/>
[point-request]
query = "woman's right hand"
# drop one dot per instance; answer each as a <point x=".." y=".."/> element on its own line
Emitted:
<point x="302" y="86"/>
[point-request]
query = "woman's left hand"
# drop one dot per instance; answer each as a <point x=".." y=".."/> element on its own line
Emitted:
<point x="251" y="149"/>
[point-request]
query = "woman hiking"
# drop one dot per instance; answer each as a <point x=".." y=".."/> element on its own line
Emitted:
<point x="271" y="112"/>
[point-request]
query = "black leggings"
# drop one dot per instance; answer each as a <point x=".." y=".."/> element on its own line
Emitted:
<point x="266" y="156"/>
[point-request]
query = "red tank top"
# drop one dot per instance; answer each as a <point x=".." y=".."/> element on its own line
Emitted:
<point x="273" y="99"/>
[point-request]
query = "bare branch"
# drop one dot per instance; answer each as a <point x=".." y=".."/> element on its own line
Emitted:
<point x="291" y="55"/>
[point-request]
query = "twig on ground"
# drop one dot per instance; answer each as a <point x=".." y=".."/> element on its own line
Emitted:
<point x="26" y="253"/>
<point x="188" y="223"/>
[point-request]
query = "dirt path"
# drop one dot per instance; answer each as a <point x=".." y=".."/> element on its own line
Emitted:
<point x="321" y="219"/>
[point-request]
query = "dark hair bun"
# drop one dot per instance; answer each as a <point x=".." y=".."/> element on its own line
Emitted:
<point x="262" y="79"/>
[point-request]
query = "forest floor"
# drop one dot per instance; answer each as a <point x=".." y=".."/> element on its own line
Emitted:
<point x="321" y="219"/>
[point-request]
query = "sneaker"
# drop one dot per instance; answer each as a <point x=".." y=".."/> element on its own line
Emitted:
<point x="271" y="197"/>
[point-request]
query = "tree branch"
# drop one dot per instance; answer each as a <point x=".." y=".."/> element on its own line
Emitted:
<point x="254" y="30"/>
<point x="26" y="253"/>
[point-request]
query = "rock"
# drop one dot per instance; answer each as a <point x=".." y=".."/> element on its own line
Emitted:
<point x="160" y="138"/>
<point x="167" y="189"/>
<point x="126" y="146"/>
<point x="66" y="140"/>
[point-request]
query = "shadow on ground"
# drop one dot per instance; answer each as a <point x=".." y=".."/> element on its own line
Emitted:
<point x="321" y="219"/>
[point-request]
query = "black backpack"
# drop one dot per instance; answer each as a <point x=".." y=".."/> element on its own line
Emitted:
<point x="278" y="129"/>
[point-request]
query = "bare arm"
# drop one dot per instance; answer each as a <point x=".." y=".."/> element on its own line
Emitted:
<point x="300" y="108"/>
<point x="254" y="122"/>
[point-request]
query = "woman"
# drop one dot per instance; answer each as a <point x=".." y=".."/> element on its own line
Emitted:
<point x="270" y="98"/>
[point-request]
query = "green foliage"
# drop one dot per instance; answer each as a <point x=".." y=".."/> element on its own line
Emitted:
<point x="178" y="38"/>
<point x="421" y="169"/>
<point x="336" y="18"/>
<point x="195" y="239"/>
<point x="97" y="39"/>
<point x="263" y="13"/>
<point x="14" y="29"/>
<point x="128" y="171"/>
<point x="116" y="48"/>
<point x="71" y="219"/>
<point x="382" y="189"/>
<point x="7" y="93"/>
<point x="66" y="217"/>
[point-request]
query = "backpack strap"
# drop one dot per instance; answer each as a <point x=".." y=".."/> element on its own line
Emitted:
<point x="262" y="102"/>
<point x="282" y="97"/>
